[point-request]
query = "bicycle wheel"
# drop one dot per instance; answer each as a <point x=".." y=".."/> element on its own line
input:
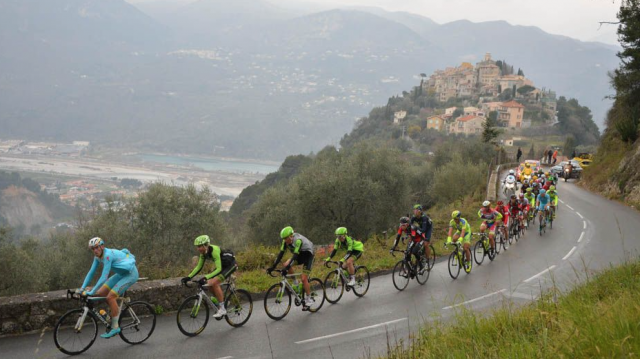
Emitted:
<point x="239" y="307"/>
<point x="454" y="266"/>
<point x="478" y="252"/>
<point x="137" y="322"/>
<point x="277" y="302"/>
<point x="432" y="257"/>
<point x="193" y="316"/>
<point x="362" y="281"/>
<point x="317" y="293"/>
<point x="400" y="275"/>
<point x="422" y="276"/>
<point x="71" y="341"/>
<point x="333" y="286"/>
<point x="511" y="233"/>
<point x="497" y="240"/>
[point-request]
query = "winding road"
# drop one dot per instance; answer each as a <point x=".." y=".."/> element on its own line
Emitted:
<point x="590" y="233"/>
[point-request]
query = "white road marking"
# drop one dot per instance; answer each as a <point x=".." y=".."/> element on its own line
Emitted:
<point x="474" y="300"/>
<point x="561" y="201"/>
<point x="350" y="331"/>
<point x="581" y="235"/>
<point x="580" y="215"/>
<point x="584" y="225"/>
<point x="539" y="274"/>
<point x="571" y="208"/>
<point x="570" y="253"/>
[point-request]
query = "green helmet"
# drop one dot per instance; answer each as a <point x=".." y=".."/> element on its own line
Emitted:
<point x="341" y="231"/>
<point x="455" y="214"/>
<point x="286" y="232"/>
<point x="200" y="240"/>
<point x="417" y="206"/>
<point x="552" y="188"/>
<point x="529" y="189"/>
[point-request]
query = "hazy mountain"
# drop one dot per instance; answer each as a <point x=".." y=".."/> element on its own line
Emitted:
<point x="231" y="78"/>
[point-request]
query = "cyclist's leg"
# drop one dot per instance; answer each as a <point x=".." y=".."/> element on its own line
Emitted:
<point x="107" y="291"/>
<point x="306" y="259"/>
<point x="228" y="267"/>
<point x="492" y="235"/>
<point x="121" y="285"/>
<point x="466" y="242"/>
<point x="350" y="267"/>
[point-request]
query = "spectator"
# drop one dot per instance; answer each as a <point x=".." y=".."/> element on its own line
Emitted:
<point x="519" y="154"/>
<point x="555" y="156"/>
<point x="549" y="154"/>
<point x="573" y="154"/>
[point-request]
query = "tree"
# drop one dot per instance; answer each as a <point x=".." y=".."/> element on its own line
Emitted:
<point x="525" y="89"/>
<point x="457" y="113"/>
<point x="490" y="132"/>
<point x="569" y="146"/>
<point x="520" y="72"/>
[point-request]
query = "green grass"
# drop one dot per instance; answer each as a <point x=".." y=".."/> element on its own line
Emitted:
<point x="600" y="318"/>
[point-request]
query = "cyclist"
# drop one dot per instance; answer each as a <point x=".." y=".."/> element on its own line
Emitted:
<point x="526" y="206"/>
<point x="415" y="244"/>
<point x="535" y="189"/>
<point x="530" y="197"/>
<point x="490" y="217"/>
<point x="552" y="178"/>
<point x="302" y="250"/>
<point x="463" y="232"/>
<point x="524" y="186"/>
<point x="553" y="195"/>
<point x="123" y="264"/>
<point x="354" y="250"/>
<point x="515" y="210"/>
<point x="542" y="202"/>
<point x="504" y="211"/>
<point x="424" y="227"/>
<point x="225" y="265"/>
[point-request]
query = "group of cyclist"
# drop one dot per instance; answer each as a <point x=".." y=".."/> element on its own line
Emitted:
<point x="539" y="192"/>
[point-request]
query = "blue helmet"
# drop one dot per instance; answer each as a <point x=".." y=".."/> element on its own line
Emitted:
<point x="543" y="191"/>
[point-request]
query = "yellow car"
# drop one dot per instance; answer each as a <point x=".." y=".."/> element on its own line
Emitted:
<point x="584" y="162"/>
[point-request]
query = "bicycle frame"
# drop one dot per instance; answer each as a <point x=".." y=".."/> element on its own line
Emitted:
<point x="285" y="284"/>
<point x="202" y="294"/>
<point x="87" y="306"/>
<point x="340" y="270"/>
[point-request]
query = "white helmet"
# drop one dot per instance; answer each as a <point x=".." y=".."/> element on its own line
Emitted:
<point x="486" y="203"/>
<point x="543" y="176"/>
<point x="95" y="241"/>
<point x="512" y="172"/>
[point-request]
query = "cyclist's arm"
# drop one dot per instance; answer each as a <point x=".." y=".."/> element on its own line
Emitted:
<point x="296" y="251"/>
<point x="280" y="255"/>
<point x="198" y="267"/>
<point x="335" y="249"/>
<point x="499" y="216"/>
<point x="215" y="254"/>
<point x="106" y="268"/>
<point x="395" y="243"/>
<point x="91" y="273"/>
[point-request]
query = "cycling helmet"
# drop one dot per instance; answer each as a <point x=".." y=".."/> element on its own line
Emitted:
<point x="486" y="204"/>
<point x="552" y="188"/>
<point x="529" y="189"/>
<point x="512" y="172"/>
<point x="95" y="241"/>
<point x="286" y="232"/>
<point x="547" y="173"/>
<point x="341" y="231"/>
<point x="521" y="195"/>
<point x="513" y="196"/>
<point x="500" y="203"/>
<point x="542" y="191"/>
<point x="534" y="178"/>
<point x="201" y="240"/>
<point x="526" y="181"/>
<point x="404" y="220"/>
<point x="455" y="214"/>
<point x="534" y="185"/>
<point x="543" y="176"/>
<point x="417" y="206"/>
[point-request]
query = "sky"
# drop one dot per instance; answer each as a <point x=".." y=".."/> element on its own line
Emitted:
<point x="574" y="18"/>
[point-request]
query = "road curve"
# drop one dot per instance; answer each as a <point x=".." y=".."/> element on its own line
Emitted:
<point x="590" y="233"/>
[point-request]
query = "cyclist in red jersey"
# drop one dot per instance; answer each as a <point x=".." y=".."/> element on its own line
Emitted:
<point x="504" y="211"/>
<point x="515" y="210"/>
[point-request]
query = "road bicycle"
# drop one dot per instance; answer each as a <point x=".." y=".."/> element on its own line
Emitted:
<point x="542" y="222"/>
<point x="550" y="216"/>
<point x="336" y="281"/>
<point x="514" y="228"/>
<point x="483" y="248"/>
<point x="193" y="316"/>
<point x="77" y="329"/>
<point x="500" y="240"/>
<point x="277" y="300"/>
<point x="408" y="268"/>
<point x="458" y="259"/>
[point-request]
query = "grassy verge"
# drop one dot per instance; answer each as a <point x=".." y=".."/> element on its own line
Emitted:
<point x="597" y="319"/>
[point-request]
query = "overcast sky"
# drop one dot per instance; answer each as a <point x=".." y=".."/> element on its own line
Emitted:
<point x="574" y="18"/>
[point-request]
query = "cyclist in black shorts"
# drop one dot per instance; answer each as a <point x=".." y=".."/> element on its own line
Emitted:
<point x="302" y="250"/>
<point x="225" y="265"/>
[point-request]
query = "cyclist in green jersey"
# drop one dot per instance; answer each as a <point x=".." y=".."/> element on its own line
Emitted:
<point x="302" y="250"/>
<point x="553" y="194"/>
<point x="225" y="265"/>
<point x="462" y="233"/>
<point x="354" y="250"/>
<point x="531" y="197"/>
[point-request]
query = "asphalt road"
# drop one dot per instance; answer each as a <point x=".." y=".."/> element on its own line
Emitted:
<point x="590" y="233"/>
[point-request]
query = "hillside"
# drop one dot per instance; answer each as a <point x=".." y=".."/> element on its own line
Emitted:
<point x="227" y="78"/>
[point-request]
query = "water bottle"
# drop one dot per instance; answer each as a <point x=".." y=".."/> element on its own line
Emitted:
<point x="105" y="315"/>
<point x="215" y="300"/>
<point x="299" y="288"/>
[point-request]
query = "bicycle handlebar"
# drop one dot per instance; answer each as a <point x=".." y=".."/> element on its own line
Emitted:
<point x="326" y="264"/>
<point x="396" y="250"/>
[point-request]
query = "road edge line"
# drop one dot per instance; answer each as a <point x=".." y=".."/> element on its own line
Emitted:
<point x="350" y="331"/>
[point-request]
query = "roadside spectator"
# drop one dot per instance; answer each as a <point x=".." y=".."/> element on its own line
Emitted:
<point x="555" y="156"/>
<point x="519" y="154"/>
<point x="544" y="156"/>
<point x="549" y="154"/>
<point x="573" y="154"/>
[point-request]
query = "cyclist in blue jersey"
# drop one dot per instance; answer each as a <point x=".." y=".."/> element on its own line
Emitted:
<point x="542" y="202"/>
<point x="123" y="264"/>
